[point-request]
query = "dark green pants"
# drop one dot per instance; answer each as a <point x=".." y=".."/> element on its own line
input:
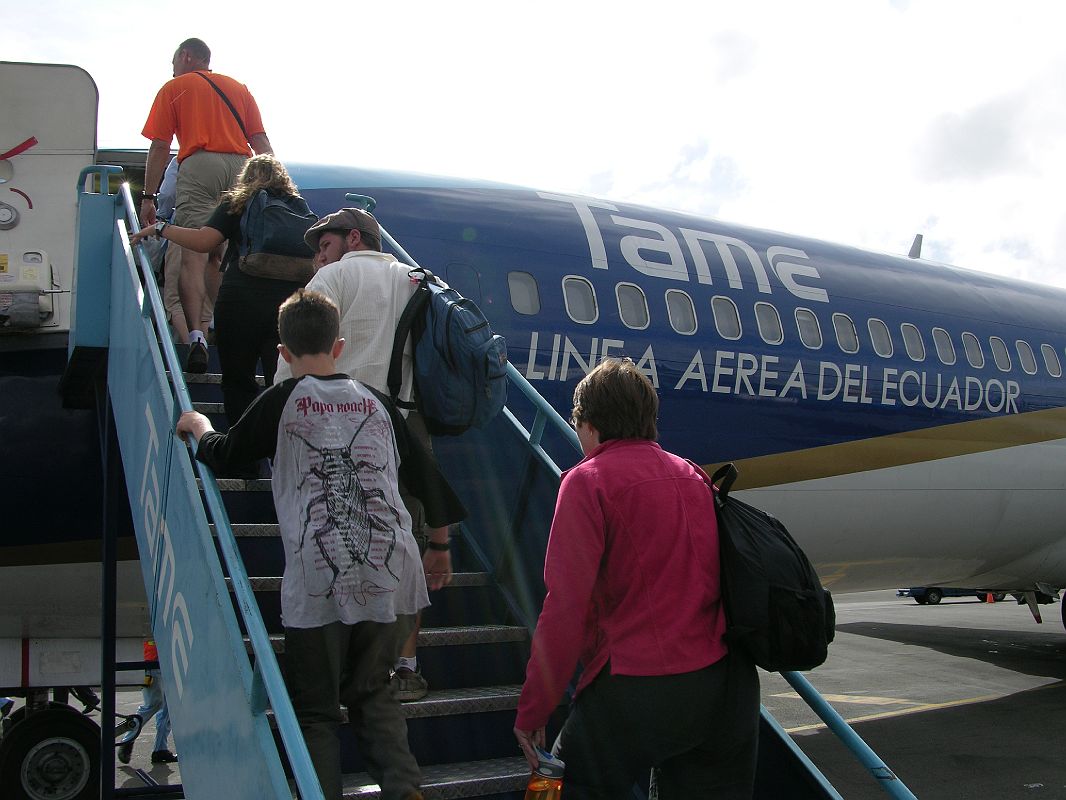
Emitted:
<point x="350" y="664"/>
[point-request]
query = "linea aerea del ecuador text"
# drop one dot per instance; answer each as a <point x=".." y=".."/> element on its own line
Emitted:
<point x="735" y="372"/>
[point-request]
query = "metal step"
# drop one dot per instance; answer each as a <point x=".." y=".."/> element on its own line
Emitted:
<point x="441" y="637"/>
<point x="450" y="702"/>
<point x="459" y="580"/>
<point x="238" y="485"/>
<point x="469" y="779"/>
<point x="213" y="378"/>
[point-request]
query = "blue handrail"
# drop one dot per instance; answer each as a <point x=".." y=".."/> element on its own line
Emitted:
<point x="267" y="682"/>
<point x="887" y="779"/>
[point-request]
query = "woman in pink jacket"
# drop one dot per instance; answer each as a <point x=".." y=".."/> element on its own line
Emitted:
<point x="632" y="575"/>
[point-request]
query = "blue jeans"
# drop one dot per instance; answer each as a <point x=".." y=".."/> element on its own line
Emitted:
<point x="153" y="701"/>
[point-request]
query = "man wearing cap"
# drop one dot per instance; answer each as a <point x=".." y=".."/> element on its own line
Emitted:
<point x="218" y="126"/>
<point x="371" y="289"/>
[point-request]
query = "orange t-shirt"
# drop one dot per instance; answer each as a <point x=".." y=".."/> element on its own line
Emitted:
<point x="189" y="108"/>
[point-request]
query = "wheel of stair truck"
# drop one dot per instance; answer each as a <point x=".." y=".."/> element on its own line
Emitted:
<point x="51" y="754"/>
<point x="933" y="596"/>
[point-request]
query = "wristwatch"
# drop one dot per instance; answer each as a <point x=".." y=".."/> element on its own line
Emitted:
<point x="146" y="196"/>
<point x="159" y="225"/>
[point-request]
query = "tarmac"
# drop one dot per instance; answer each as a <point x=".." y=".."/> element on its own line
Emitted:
<point x="961" y="700"/>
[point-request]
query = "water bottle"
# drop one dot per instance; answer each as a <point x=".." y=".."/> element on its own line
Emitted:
<point x="546" y="782"/>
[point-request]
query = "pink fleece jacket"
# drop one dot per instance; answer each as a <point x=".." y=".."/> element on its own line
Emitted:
<point x="632" y="575"/>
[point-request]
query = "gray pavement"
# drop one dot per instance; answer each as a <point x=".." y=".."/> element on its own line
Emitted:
<point x="961" y="700"/>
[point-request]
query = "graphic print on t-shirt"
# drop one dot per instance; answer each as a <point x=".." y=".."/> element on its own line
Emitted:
<point x="348" y="528"/>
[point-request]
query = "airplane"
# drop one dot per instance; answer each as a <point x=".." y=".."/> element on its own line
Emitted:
<point x="905" y="418"/>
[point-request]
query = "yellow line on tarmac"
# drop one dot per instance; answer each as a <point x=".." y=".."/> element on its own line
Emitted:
<point x="900" y="712"/>
<point x="860" y="699"/>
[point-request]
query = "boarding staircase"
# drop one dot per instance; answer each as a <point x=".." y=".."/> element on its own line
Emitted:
<point x="212" y="559"/>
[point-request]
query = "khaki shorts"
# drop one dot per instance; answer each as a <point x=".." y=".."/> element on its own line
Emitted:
<point x="202" y="178"/>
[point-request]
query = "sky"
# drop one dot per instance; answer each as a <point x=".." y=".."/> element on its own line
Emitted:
<point x="861" y="122"/>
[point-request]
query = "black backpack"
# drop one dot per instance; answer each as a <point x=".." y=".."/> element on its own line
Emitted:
<point x="776" y="607"/>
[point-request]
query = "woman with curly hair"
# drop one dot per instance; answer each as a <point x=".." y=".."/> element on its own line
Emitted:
<point x="246" y="312"/>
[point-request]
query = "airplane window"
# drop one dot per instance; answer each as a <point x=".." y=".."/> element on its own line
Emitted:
<point x="974" y="354"/>
<point x="847" y="336"/>
<point x="580" y="299"/>
<point x="999" y="353"/>
<point x="769" y="323"/>
<point x="912" y="340"/>
<point x="682" y="311"/>
<point x="881" y="338"/>
<point x="632" y="305"/>
<point x="809" y="330"/>
<point x="464" y="279"/>
<point x="1051" y="361"/>
<point x="945" y="350"/>
<point x="1026" y="357"/>
<point x="726" y="317"/>
<point x="525" y="297"/>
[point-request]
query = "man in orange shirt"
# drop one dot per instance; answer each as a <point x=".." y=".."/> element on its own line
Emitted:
<point x="218" y="126"/>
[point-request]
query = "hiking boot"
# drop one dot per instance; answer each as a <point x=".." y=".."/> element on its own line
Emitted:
<point x="408" y="685"/>
<point x="124" y="752"/>
<point x="164" y="757"/>
<point x="196" y="363"/>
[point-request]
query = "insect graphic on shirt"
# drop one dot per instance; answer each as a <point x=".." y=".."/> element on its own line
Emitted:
<point x="341" y="508"/>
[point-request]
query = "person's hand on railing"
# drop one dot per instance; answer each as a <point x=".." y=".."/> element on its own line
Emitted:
<point x="194" y="424"/>
<point x="143" y="233"/>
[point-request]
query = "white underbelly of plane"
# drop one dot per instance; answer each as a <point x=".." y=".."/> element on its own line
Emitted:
<point x="995" y="519"/>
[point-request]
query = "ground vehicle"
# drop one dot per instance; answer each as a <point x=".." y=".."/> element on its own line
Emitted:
<point x="932" y="595"/>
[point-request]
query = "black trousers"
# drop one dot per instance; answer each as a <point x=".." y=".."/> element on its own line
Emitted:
<point x="697" y="732"/>
<point x="246" y="333"/>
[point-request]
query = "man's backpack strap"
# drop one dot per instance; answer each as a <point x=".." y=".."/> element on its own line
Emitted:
<point x="412" y="312"/>
<point x="229" y="105"/>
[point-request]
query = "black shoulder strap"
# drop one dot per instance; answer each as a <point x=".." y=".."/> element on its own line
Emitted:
<point x="726" y="474"/>
<point x="411" y="312"/>
<point x="229" y="105"/>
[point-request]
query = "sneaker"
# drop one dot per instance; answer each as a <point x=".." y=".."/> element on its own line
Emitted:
<point x="408" y="685"/>
<point x="196" y="363"/>
<point x="164" y="757"/>
<point x="87" y="697"/>
<point x="6" y="704"/>
<point x="124" y="752"/>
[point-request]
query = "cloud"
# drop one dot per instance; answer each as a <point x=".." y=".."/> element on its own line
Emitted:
<point x="984" y="141"/>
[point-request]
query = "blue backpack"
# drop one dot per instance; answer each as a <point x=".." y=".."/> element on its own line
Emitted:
<point x="460" y="364"/>
<point x="272" y="238"/>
